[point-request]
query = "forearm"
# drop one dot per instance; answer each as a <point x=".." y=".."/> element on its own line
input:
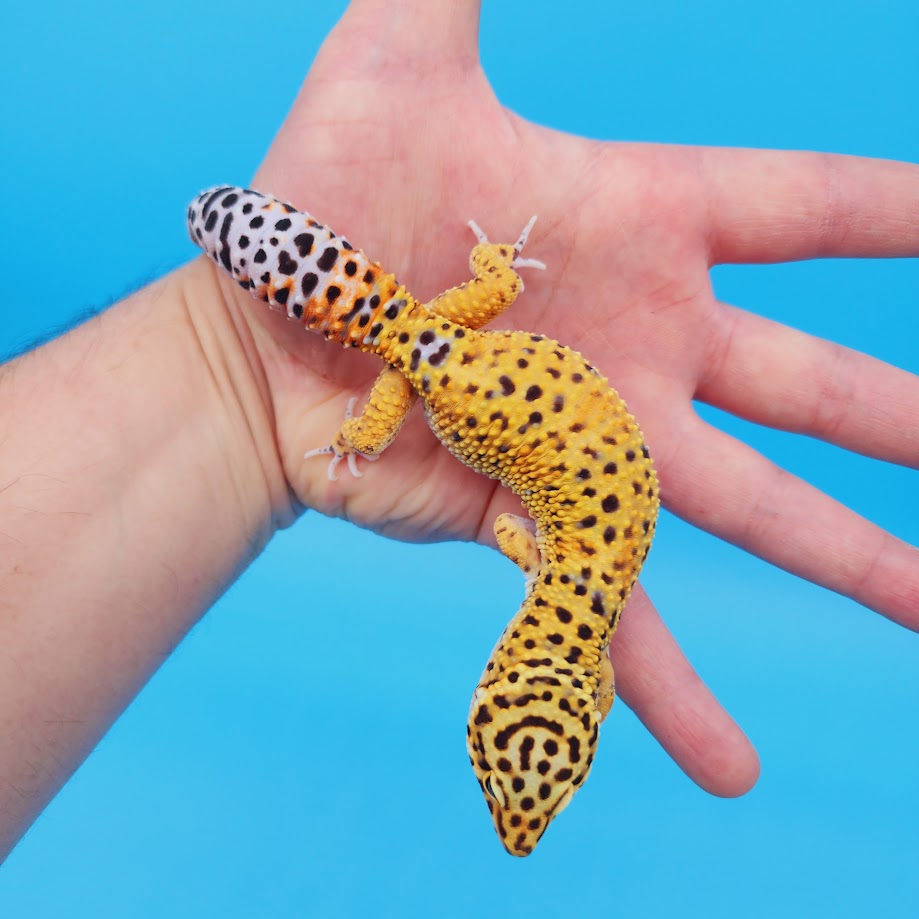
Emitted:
<point x="137" y="478"/>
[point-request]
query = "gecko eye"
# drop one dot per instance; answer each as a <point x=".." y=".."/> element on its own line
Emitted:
<point x="496" y="791"/>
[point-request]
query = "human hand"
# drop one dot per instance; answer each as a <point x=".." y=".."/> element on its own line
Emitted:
<point x="399" y="157"/>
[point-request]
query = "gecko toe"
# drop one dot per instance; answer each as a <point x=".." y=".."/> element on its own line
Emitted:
<point x="479" y="232"/>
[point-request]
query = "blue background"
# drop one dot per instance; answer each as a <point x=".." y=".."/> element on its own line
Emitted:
<point x="212" y="796"/>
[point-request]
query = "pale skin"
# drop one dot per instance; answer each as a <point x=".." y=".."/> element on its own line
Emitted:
<point x="150" y="454"/>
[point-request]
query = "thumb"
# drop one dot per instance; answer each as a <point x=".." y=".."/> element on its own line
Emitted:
<point x="417" y="35"/>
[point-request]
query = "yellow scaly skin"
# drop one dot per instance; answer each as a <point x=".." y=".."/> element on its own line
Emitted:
<point x="517" y="407"/>
<point x="583" y="473"/>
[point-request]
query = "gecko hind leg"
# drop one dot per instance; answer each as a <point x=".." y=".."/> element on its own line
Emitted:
<point x="516" y="537"/>
<point x="371" y="432"/>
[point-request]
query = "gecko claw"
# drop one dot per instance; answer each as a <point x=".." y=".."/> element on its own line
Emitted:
<point x="524" y="235"/>
<point x="528" y="263"/>
<point x="479" y="232"/>
<point x="341" y="450"/>
<point x="326" y="451"/>
<point x="352" y="462"/>
<point x="519" y="262"/>
<point x="338" y="457"/>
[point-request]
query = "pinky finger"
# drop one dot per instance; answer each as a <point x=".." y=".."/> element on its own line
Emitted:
<point x="654" y="678"/>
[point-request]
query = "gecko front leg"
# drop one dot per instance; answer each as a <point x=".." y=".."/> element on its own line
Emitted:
<point x="606" y="691"/>
<point x="516" y="538"/>
<point x="370" y="433"/>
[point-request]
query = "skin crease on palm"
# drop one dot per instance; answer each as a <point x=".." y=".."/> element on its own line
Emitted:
<point x="397" y="147"/>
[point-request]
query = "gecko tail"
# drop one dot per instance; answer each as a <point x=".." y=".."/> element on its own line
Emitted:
<point x="288" y="259"/>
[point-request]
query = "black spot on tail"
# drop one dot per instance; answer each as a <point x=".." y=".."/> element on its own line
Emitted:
<point x="212" y="197"/>
<point x="308" y="284"/>
<point x="327" y="259"/>
<point x="286" y="264"/>
<point x="304" y="244"/>
<point x="224" y="236"/>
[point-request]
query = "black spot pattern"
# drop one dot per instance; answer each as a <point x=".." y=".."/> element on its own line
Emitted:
<point x="286" y="265"/>
<point x="304" y="243"/>
<point x="308" y="284"/>
<point x="327" y="259"/>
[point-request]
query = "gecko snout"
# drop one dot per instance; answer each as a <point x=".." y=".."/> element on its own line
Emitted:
<point x="531" y="748"/>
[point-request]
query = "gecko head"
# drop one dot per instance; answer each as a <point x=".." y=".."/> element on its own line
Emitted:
<point x="531" y="739"/>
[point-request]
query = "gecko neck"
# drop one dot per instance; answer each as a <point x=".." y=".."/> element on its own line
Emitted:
<point x="539" y="640"/>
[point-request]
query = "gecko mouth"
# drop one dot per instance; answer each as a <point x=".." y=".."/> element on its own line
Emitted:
<point x="521" y="842"/>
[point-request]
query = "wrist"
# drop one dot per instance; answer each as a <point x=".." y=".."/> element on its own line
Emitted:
<point x="226" y="368"/>
<point x="157" y="406"/>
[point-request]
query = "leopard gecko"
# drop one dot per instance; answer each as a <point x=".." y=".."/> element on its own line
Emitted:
<point x="515" y="406"/>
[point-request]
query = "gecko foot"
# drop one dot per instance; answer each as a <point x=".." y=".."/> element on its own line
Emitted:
<point x="516" y="538"/>
<point x="340" y="449"/>
<point x="518" y="262"/>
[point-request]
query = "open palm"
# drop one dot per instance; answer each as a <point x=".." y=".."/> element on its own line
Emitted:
<point x="398" y="146"/>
